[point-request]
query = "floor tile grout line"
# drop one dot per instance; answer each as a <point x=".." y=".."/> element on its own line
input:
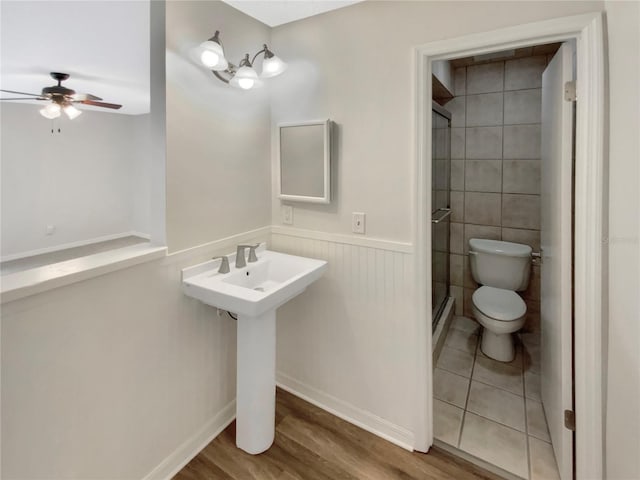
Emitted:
<point x="498" y="388"/>
<point x="526" y="415"/>
<point x="523" y="398"/>
<point x="538" y="438"/>
<point x="478" y="349"/>
<point x="455" y="373"/>
<point x="466" y="410"/>
<point x="466" y="403"/>
<point x="523" y="402"/>
<point x="497" y="421"/>
<point x="504" y="364"/>
<point x="452" y="373"/>
<point x="449" y="403"/>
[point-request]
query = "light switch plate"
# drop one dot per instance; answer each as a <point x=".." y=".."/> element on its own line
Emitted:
<point x="287" y="214"/>
<point x="358" y="222"/>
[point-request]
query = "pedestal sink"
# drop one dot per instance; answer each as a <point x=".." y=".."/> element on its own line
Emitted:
<point x="254" y="293"/>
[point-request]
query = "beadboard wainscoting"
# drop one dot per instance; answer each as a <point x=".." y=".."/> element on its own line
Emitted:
<point x="347" y="343"/>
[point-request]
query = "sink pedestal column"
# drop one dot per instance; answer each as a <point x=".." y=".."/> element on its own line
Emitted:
<point x="256" y="382"/>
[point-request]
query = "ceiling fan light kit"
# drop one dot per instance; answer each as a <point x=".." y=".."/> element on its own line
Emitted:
<point x="62" y="99"/>
<point x="243" y="75"/>
<point x="71" y="111"/>
<point x="51" y="111"/>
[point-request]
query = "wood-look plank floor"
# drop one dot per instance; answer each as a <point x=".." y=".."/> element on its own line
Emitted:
<point x="311" y="444"/>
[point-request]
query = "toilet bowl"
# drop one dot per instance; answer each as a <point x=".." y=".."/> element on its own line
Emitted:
<point x="501" y="313"/>
<point x="501" y="268"/>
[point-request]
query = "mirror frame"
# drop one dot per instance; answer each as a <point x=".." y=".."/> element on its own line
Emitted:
<point x="326" y="198"/>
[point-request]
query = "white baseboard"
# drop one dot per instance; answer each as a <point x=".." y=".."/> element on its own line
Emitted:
<point x="64" y="246"/>
<point x="361" y="418"/>
<point x="192" y="446"/>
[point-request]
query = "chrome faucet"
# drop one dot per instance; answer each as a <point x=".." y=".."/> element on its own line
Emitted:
<point x="224" y="264"/>
<point x="240" y="260"/>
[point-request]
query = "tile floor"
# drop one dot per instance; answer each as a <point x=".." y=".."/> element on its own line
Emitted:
<point x="492" y="410"/>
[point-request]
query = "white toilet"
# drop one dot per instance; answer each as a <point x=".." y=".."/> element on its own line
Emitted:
<point x="501" y="268"/>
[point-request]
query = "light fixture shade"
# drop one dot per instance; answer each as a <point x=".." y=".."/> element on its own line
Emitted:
<point x="72" y="112"/>
<point x="51" y="111"/>
<point x="212" y="56"/>
<point x="272" y="66"/>
<point x="245" y="78"/>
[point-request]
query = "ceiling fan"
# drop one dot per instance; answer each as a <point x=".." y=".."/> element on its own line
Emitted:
<point x="62" y="99"/>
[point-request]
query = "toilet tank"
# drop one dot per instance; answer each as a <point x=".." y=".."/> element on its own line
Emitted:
<point x="500" y="264"/>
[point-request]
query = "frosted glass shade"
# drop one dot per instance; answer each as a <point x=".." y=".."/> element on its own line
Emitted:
<point x="51" y="111"/>
<point x="245" y="78"/>
<point x="72" y="112"/>
<point x="212" y="56"/>
<point x="272" y="66"/>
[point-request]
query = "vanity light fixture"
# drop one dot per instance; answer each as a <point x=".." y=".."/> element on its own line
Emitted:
<point x="243" y="75"/>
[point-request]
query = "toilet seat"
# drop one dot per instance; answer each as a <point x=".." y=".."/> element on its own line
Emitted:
<point x="499" y="304"/>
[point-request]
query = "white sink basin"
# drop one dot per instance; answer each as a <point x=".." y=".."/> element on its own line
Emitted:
<point x="255" y="289"/>
<point x="254" y="292"/>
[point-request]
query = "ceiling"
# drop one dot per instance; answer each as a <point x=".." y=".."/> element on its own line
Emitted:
<point x="278" y="12"/>
<point x="103" y="45"/>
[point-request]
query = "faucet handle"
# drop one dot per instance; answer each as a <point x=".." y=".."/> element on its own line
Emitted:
<point x="252" y="251"/>
<point x="240" y="261"/>
<point x="224" y="264"/>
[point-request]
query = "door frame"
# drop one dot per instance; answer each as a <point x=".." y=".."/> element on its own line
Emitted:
<point x="589" y="216"/>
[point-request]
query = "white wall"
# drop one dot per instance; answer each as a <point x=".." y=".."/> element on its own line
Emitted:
<point x="623" y="378"/>
<point x="89" y="180"/>
<point x="355" y="66"/>
<point x="123" y="375"/>
<point x="218" y="137"/>
<point x="140" y="174"/>
<point x="165" y="364"/>
<point x="109" y="377"/>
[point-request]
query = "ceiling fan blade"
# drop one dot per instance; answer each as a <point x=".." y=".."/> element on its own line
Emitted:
<point x="22" y="98"/>
<point x="84" y="96"/>
<point x="22" y="93"/>
<point x="100" y="104"/>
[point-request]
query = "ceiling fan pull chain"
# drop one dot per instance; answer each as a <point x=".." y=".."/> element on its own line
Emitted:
<point x="53" y="122"/>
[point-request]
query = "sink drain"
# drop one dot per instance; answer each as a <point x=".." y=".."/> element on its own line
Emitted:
<point x="259" y="289"/>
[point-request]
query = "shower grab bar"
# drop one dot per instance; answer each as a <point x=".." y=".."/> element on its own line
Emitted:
<point x="447" y="212"/>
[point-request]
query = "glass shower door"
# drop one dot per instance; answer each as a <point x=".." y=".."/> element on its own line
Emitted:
<point x="440" y="186"/>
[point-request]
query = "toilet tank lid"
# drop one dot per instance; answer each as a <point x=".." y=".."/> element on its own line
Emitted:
<point x="499" y="247"/>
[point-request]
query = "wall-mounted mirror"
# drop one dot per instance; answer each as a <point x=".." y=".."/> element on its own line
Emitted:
<point x="304" y="152"/>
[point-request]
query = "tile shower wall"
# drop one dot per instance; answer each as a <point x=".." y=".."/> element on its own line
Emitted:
<point x="495" y="167"/>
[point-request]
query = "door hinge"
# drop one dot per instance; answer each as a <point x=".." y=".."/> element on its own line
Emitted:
<point x="570" y="420"/>
<point x="570" y="91"/>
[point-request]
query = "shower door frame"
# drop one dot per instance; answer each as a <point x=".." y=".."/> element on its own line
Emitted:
<point x="587" y="30"/>
<point x="443" y="112"/>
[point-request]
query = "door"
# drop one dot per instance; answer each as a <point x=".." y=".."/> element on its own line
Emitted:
<point x="556" y="245"/>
